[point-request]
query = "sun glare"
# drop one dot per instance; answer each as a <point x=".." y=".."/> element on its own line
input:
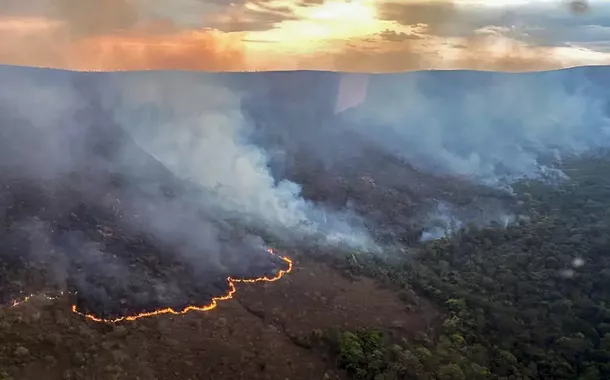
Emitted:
<point x="344" y="11"/>
<point x="319" y="25"/>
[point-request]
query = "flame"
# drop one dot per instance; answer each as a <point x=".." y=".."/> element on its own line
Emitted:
<point x="212" y="305"/>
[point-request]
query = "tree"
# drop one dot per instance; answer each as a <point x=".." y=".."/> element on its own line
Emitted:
<point x="451" y="372"/>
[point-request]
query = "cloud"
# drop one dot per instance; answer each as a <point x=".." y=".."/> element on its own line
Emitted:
<point x="437" y="15"/>
<point x="407" y="55"/>
<point x="455" y="19"/>
<point x="83" y="17"/>
<point x="310" y="3"/>
<point x="453" y="35"/>
<point x="249" y="17"/>
<point x="121" y="35"/>
<point x="88" y="18"/>
<point x="489" y="49"/>
<point x="393" y="36"/>
<point x="217" y="35"/>
<point x="476" y="54"/>
<point x="196" y="50"/>
<point x="52" y="46"/>
<point x="492" y="52"/>
<point x="579" y="6"/>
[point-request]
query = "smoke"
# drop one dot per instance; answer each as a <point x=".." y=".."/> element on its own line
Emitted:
<point x="492" y="128"/>
<point x="196" y="128"/>
<point x="178" y="164"/>
<point x="446" y="219"/>
<point x="134" y="185"/>
<point x="441" y="223"/>
<point x="38" y="143"/>
<point x="461" y="127"/>
<point x="192" y="123"/>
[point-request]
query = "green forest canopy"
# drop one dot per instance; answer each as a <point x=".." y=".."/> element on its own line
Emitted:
<point x="528" y="302"/>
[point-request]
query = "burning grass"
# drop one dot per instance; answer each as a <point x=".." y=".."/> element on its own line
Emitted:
<point x="111" y="272"/>
<point x="231" y="282"/>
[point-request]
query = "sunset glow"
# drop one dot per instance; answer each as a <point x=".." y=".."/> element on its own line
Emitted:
<point x="357" y="35"/>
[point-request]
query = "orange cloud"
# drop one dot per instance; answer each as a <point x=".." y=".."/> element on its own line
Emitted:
<point x="23" y="25"/>
<point x="358" y="35"/>
<point x="46" y="43"/>
<point x="84" y="35"/>
<point x="192" y="50"/>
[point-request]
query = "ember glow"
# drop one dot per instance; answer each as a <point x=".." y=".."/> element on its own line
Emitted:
<point x="212" y="305"/>
<point x="27" y="298"/>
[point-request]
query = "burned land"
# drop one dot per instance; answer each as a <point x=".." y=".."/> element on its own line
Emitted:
<point x="403" y="264"/>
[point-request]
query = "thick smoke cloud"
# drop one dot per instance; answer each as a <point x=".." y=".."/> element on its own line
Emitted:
<point x="488" y="128"/>
<point x="144" y="190"/>
<point x="197" y="129"/>
<point x="493" y="128"/>
<point x="70" y="175"/>
<point x="454" y="127"/>
<point x="193" y="125"/>
<point x="210" y="196"/>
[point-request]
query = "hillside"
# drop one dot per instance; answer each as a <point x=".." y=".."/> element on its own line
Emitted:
<point x="124" y="193"/>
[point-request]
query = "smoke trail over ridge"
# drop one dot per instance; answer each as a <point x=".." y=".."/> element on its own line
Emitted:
<point x="489" y="127"/>
<point x="446" y="131"/>
<point x="199" y="132"/>
<point x="218" y="130"/>
<point x="137" y="184"/>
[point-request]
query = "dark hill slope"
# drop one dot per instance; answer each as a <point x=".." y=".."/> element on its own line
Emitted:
<point x="63" y="172"/>
<point x="85" y="207"/>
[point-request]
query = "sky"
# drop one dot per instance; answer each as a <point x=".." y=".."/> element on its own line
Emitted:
<point x="338" y="35"/>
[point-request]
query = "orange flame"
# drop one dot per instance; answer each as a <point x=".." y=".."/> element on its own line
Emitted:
<point x="212" y="305"/>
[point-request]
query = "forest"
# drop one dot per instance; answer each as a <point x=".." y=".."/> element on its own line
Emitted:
<point x="526" y="302"/>
<point x="116" y="230"/>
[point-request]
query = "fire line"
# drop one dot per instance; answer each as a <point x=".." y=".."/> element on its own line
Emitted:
<point x="212" y="305"/>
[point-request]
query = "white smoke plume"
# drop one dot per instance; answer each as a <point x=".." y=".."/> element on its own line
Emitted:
<point x="486" y="128"/>
<point x="446" y="219"/>
<point x="491" y="127"/>
<point x="191" y="123"/>
<point x="80" y="144"/>
<point x="195" y="127"/>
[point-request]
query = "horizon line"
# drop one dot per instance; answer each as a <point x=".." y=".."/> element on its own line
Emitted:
<point x="50" y="68"/>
